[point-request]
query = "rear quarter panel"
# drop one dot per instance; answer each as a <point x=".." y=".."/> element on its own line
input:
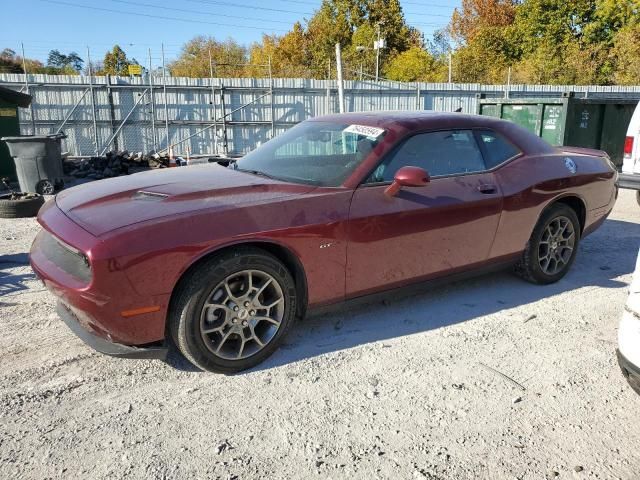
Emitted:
<point x="531" y="183"/>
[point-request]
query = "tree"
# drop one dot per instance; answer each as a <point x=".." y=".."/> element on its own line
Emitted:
<point x="9" y="62"/>
<point x="64" y="64"/>
<point x="228" y="58"/>
<point x="353" y="24"/>
<point x="626" y="55"/>
<point x="287" y="54"/>
<point x="415" y="64"/>
<point x="116" y="63"/>
<point x="482" y="31"/>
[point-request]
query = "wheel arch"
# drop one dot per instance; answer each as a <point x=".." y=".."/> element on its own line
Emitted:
<point x="288" y="258"/>
<point x="573" y="201"/>
<point x="578" y="205"/>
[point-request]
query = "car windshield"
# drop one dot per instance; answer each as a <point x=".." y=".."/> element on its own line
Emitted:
<point x="315" y="153"/>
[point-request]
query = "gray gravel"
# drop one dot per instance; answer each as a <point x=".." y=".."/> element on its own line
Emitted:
<point x="487" y="378"/>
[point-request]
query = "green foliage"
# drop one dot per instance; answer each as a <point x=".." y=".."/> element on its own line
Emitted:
<point x="547" y="41"/>
<point x="416" y="64"/>
<point x="66" y="63"/>
<point x="9" y="63"/>
<point x="226" y="58"/>
<point x="539" y="41"/>
<point x="116" y="63"/>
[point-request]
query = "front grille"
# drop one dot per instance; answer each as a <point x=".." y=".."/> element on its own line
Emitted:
<point x="65" y="257"/>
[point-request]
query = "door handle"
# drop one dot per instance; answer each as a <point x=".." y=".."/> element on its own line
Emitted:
<point x="488" y="189"/>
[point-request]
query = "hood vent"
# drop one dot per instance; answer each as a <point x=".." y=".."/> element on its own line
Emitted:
<point x="149" y="196"/>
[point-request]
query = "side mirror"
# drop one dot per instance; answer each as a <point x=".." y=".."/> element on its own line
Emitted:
<point x="407" y="177"/>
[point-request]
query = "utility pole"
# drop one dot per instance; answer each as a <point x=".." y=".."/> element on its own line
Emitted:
<point x="153" y="104"/>
<point x="340" y="82"/>
<point x="213" y="105"/>
<point x="93" y="103"/>
<point x="378" y="47"/>
<point x="164" y="95"/>
<point x="450" y="68"/>
<point x="26" y="86"/>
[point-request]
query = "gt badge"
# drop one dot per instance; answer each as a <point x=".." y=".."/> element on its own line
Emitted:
<point x="570" y="164"/>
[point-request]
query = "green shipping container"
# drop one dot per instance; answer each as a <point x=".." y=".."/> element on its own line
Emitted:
<point x="569" y="121"/>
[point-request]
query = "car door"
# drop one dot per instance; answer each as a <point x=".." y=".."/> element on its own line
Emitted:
<point x="423" y="232"/>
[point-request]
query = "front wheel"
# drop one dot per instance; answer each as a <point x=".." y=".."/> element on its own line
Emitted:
<point x="233" y="310"/>
<point x="552" y="247"/>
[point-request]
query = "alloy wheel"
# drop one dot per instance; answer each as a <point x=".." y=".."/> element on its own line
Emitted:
<point x="556" y="245"/>
<point x="242" y="314"/>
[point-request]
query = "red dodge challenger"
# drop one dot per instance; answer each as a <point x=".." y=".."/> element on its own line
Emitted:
<point x="219" y="261"/>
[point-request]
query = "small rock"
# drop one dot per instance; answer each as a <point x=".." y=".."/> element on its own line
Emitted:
<point x="129" y="408"/>
<point x="516" y="400"/>
<point x="458" y="386"/>
<point x="222" y="447"/>
<point x="578" y="468"/>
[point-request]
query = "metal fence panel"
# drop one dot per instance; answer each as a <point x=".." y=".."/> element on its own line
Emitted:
<point x="252" y="114"/>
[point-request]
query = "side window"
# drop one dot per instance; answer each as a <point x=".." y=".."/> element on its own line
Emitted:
<point x="497" y="147"/>
<point x="439" y="153"/>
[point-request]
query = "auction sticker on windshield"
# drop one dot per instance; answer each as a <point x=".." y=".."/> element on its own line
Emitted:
<point x="370" y="132"/>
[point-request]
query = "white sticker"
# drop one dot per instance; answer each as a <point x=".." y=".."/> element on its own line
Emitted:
<point x="370" y="132"/>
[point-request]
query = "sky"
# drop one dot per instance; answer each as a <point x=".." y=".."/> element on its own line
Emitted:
<point x="140" y="25"/>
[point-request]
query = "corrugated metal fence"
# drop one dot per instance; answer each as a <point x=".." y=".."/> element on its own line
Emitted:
<point x="143" y="114"/>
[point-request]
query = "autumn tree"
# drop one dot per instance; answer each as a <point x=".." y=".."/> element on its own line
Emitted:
<point x="116" y="62"/>
<point x="482" y="31"/>
<point x="287" y="54"/>
<point x="228" y="58"/>
<point x="416" y="64"/>
<point x="9" y="62"/>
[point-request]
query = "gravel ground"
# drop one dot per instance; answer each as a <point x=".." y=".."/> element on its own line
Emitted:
<point x="407" y="389"/>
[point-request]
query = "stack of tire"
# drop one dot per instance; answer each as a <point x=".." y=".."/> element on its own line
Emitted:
<point x="20" y="205"/>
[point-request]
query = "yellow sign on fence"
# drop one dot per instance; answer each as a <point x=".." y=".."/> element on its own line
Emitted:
<point x="135" y="69"/>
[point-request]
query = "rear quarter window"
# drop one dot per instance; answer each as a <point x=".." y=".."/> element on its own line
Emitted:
<point x="497" y="148"/>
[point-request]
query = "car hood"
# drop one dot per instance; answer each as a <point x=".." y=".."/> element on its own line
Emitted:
<point x="103" y="206"/>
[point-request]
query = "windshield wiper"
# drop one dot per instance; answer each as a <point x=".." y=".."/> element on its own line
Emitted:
<point x="254" y="172"/>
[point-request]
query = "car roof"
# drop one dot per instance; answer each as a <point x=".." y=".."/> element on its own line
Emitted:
<point x="415" y="120"/>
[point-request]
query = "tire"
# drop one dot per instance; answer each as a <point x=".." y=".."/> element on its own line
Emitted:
<point x="540" y="251"/>
<point x="228" y="339"/>
<point x="22" y="207"/>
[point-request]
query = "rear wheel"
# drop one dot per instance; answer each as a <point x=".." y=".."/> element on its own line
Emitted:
<point x="233" y="311"/>
<point x="552" y="247"/>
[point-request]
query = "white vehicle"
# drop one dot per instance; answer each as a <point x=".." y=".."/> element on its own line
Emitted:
<point x="630" y="176"/>
<point x="629" y="334"/>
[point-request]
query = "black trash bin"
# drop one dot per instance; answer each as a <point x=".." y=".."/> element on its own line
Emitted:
<point x="38" y="160"/>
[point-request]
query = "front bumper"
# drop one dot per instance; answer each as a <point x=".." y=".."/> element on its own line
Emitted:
<point x="105" y="346"/>
<point x="630" y="371"/>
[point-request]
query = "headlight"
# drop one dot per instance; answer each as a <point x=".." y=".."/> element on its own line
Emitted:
<point x="66" y="257"/>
